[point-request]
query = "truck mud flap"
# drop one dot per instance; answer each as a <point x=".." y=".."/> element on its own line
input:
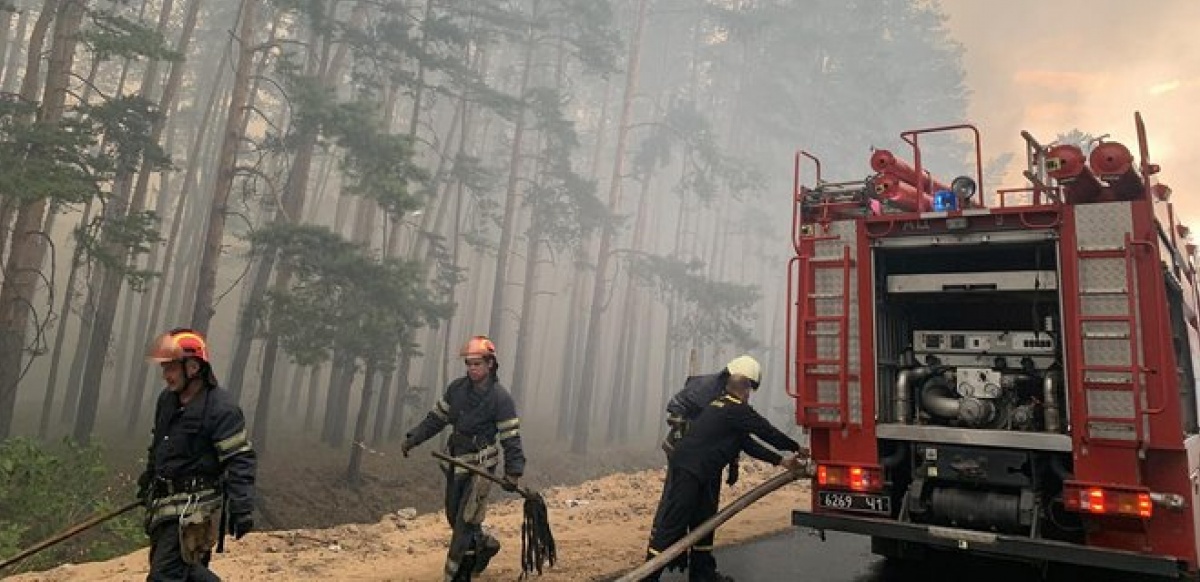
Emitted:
<point x="993" y="544"/>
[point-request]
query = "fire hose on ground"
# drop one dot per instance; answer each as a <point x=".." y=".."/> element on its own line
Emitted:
<point x="681" y="546"/>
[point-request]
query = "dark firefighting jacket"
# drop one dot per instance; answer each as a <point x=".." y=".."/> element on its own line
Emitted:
<point x="697" y="392"/>
<point x="197" y="451"/>
<point x="481" y="419"/>
<point x="726" y="427"/>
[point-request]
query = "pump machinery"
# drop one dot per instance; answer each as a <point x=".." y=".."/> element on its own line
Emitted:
<point x="1011" y="372"/>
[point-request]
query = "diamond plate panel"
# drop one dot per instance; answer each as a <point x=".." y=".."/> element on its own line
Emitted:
<point x="855" y="398"/>
<point x="1110" y="403"/>
<point x="1112" y="431"/>
<point x="827" y="284"/>
<point x="828" y="347"/>
<point x="827" y="392"/>
<point x="1106" y="352"/>
<point x="1106" y="328"/>
<point x="1104" y="304"/>
<point x="853" y="346"/>
<point x="1103" y="225"/>
<point x="829" y="306"/>
<point x="1102" y="274"/>
<point x="1095" y="377"/>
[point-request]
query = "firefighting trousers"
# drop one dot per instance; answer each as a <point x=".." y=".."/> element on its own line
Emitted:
<point x="166" y="557"/>
<point x="466" y="506"/>
<point x="687" y="501"/>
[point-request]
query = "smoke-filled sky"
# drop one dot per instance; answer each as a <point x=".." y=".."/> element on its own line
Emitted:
<point x="1050" y="67"/>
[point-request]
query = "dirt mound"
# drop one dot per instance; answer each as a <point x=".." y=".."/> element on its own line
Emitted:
<point x="601" y="527"/>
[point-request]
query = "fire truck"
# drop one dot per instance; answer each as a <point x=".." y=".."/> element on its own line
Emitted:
<point x="1009" y="373"/>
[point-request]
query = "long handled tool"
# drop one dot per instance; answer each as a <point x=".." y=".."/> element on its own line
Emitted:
<point x="537" y="541"/>
<point x="681" y="546"/>
<point x="69" y="533"/>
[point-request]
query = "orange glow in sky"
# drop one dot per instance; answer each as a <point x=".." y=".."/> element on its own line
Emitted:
<point x="1050" y="67"/>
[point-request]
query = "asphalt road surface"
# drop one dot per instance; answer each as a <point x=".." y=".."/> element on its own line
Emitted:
<point x="801" y="556"/>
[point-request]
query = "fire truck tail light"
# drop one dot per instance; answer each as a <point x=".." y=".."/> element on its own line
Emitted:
<point x="1108" y="501"/>
<point x="854" y="478"/>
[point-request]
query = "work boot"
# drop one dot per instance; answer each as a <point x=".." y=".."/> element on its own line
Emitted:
<point x="487" y="549"/>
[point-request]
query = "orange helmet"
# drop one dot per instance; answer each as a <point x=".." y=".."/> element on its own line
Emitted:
<point x="479" y="346"/>
<point x="178" y="345"/>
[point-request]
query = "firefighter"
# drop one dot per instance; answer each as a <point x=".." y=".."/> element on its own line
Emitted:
<point x="683" y="408"/>
<point x="712" y="441"/>
<point x="484" y="419"/>
<point x="200" y="468"/>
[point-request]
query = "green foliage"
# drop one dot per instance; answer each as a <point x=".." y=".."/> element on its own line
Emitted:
<point x="126" y="124"/>
<point x="46" y="160"/>
<point x="340" y="298"/>
<point x="377" y="165"/>
<point x="45" y="489"/>
<point x="565" y="206"/>
<point x="717" y="312"/>
<point x="590" y="30"/>
<point x="131" y="234"/>
<point x="115" y="36"/>
<point x="708" y="171"/>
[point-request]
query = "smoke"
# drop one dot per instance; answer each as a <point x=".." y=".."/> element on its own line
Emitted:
<point x="1050" y="67"/>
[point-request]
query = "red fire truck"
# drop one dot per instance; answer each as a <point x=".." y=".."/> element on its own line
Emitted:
<point x="1011" y="375"/>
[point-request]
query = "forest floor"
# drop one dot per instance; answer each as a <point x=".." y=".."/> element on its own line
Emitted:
<point x="391" y="528"/>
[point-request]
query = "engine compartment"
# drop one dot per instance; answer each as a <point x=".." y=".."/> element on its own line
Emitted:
<point x="971" y="398"/>
<point x="968" y="338"/>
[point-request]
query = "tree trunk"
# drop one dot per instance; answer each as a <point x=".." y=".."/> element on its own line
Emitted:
<point x="22" y="268"/>
<point x="569" y="390"/>
<point x="6" y="15"/>
<point x="14" y="55"/>
<point x="354" y="470"/>
<point x="262" y="409"/>
<point x="379" y="433"/>
<point x="583" y="411"/>
<point x="402" y="396"/>
<point x="621" y="408"/>
<point x="499" y="284"/>
<point x="310" y="400"/>
<point x="59" y="338"/>
<point x="202" y="310"/>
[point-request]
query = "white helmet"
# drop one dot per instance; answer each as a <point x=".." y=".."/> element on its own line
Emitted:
<point x="746" y="367"/>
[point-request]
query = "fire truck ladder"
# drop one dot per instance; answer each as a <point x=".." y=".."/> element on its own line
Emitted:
<point x="1108" y="315"/>
<point x="824" y="319"/>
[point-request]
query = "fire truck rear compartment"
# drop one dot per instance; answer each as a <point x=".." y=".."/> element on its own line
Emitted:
<point x="970" y="397"/>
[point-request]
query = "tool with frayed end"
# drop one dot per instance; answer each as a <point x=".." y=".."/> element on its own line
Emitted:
<point x="537" y="541"/>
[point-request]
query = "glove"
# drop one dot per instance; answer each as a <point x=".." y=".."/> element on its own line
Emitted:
<point x="143" y="483"/>
<point x="242" y="524"/>
<point x="731" y="478"/>
<point x="406" y="447"/>
<point x="511" y="483"/>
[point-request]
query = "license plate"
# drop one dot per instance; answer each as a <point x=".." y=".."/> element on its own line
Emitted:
<point x="865" y="502"/>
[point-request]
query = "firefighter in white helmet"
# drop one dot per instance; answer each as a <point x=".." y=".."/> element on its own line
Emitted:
<point x="711" y="423"/>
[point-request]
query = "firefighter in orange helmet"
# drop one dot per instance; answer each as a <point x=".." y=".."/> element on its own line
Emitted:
<point x="200" y="464"/>
<point x="484" y="420"/>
